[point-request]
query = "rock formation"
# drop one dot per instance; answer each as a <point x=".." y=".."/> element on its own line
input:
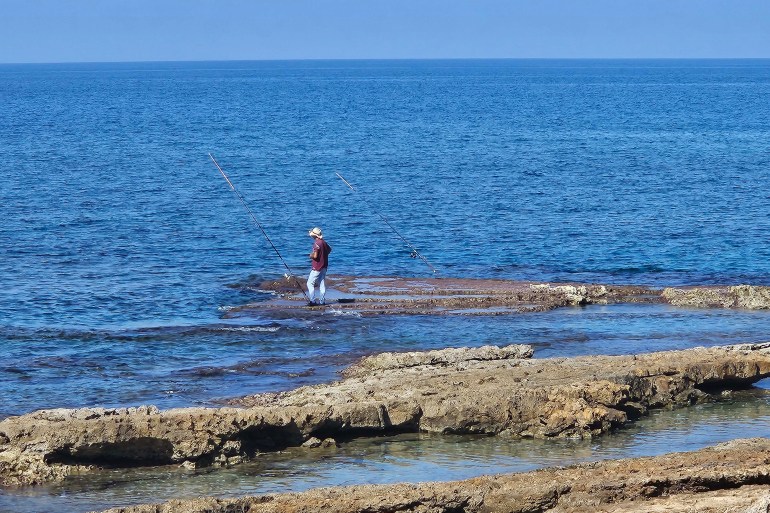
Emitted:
<point x="750" y="297"/>
<point x="450" y="356"/>
<point x="449" y="296"/>
<point x="540" y="398"/>
<point x="454" y="296"/>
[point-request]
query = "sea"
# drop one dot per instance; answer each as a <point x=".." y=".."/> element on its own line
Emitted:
<point x="123" y="251"/>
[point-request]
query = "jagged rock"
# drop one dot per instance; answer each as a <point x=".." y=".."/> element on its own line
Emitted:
<point x="312" y="442"/>
<point x="727" y="477"/>
<point x="558" y="397"/>
<point x="751" y="297"/>
<point x="572" y="294"/>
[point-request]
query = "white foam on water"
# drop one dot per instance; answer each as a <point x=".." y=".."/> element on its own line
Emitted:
<point x="266" y="329"/>
<point x="346" y="313"/>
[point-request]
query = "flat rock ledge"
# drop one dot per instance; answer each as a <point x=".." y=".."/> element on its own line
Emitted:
<point x="378" y="295"/>
<point x="730" y="477"/>
<point x="451" y="356"/>
<point x="514" y="397"/>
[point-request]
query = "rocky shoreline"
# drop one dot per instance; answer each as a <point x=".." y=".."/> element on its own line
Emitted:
<point x="730" y="477"/>
<point x="492" y="390"/>
<point x="374" y="295"/>
<point x="501" y="391"/>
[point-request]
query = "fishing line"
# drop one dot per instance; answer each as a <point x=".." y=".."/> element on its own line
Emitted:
<point x="257" y="223"/>
<point x="415" y="253"/>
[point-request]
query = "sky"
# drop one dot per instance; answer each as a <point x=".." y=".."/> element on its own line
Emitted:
<point x="41" y="31"/>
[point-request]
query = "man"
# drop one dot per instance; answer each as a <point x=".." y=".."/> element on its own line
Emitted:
<point x="319" y="257"/>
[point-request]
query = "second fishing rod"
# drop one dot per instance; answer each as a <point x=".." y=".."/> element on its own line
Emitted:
<point x="259" y="225"/>
<point x="415" y="253"/>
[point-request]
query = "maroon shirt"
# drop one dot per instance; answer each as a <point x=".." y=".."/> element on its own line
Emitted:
<point x="322" y="250"/>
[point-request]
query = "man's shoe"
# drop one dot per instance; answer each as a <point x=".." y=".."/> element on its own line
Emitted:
<point x="312" y="303"/>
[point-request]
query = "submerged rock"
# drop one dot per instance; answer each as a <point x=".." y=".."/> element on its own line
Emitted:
<point x="727" y="477"/>
<point x="314" y="443"/>
<point x="454" y="392"/>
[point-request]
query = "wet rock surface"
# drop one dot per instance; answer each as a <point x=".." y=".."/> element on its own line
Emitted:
<point x="728" y="477"/>
<point x="454" y="296"/>
<point x="534" y="398"/>
<point x="483" y="390"/>
<point x="448" y="296"/>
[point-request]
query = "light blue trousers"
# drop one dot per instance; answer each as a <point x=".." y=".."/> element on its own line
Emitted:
<point x="314" y="278"/>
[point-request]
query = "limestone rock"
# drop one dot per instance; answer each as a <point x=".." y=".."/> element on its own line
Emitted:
<point x="372" y="295"/>
<point x="761" y="505"/>
<point x="574" y="294"/>
<point x="513" y="397"/>
<point x="385" y="361"/>
<point x="750" y="297"/>
<point x="312" y="442"/>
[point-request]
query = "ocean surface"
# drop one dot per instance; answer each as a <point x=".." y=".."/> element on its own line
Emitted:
<point x="122" y="247"/>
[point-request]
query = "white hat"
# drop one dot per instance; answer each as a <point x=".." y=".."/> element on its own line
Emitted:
<point x="316" y="232"/>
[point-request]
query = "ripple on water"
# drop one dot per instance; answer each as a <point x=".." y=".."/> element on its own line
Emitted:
<point x="209" y="362"/>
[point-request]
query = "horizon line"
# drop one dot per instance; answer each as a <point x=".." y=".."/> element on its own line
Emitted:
<point x="386" y="59"/>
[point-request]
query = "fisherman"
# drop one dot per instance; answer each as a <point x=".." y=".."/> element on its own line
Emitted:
<point x="319" y="257"/>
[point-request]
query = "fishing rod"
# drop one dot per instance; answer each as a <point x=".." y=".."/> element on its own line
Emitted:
<point x="254" y="218"/>
<point x="415" y="253"/>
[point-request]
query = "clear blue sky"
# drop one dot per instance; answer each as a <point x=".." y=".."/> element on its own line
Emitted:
<point x="158" y="30"/>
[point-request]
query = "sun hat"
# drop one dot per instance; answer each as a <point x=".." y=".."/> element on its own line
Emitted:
<point x="316" y="232"/>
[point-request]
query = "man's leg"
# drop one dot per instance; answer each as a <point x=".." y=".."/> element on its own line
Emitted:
<point x="322" y="285"/>
<point x="311" y="281"/>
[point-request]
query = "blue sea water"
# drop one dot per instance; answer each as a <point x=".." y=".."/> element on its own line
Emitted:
<point x="121" y="246"/>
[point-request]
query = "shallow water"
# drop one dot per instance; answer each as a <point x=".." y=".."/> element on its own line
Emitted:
<point x="404" y="458"/>
<point x="203" y="365"/>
